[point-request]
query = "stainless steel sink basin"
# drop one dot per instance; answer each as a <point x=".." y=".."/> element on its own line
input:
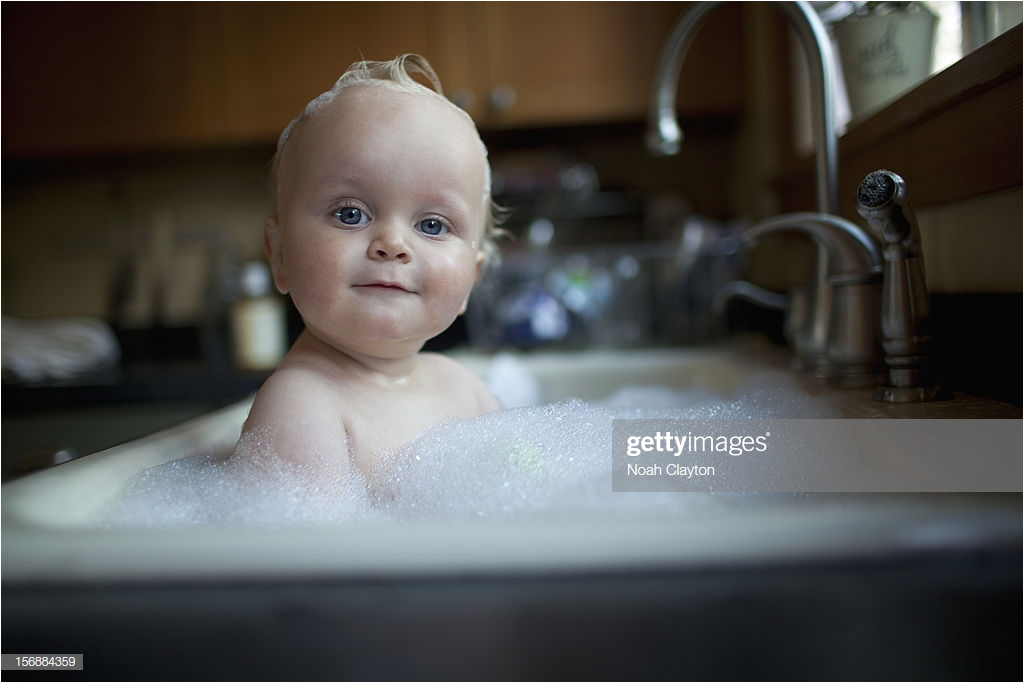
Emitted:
<point x="532" y="594"/>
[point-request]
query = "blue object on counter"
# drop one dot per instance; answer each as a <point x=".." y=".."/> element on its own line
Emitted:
<point x="529" y="317"/>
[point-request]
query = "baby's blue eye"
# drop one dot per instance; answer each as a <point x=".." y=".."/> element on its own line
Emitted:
<point x="350" y="215"/>
<point x="432" y="226"/>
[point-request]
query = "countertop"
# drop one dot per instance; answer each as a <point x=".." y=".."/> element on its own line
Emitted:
<point x="177" y="380"/>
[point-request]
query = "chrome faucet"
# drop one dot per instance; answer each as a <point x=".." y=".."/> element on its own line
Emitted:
<point x="833" y="323"/>
<point x="664" y="136"/>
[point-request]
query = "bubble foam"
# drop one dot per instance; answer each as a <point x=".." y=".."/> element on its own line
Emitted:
<point x="251" y="486"/>
<point x="548" y="459"/>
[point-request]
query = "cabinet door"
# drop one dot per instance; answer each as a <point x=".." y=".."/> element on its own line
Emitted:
<point x="121" y="77"/>
<point x="573" y="62"/>
<point x="280" y="55"/>
<point x="109" y="76"/>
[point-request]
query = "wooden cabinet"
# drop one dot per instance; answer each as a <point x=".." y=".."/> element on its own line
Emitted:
<point x="118" y="77"/>
<point x="557" y="63"/>
<point x="280" y="55"/>
<point x="121" y="77"/>
<point x="109" y="76"/>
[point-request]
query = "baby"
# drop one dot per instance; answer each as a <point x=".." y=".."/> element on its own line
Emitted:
<point x="382" y="224"/>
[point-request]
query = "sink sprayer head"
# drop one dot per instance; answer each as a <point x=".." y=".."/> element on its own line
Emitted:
<point x="877" y="189"/>
<point x="882" y="201"/>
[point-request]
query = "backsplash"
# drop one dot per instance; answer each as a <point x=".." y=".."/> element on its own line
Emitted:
<point x="135" y="243"/>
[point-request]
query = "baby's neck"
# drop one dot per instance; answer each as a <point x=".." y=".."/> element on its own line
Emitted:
<point x="364" y="368"/>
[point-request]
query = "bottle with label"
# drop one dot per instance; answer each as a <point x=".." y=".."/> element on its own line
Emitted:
<point x="259" y="321"/>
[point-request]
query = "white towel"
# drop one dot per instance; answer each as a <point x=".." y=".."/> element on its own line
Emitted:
<point x="56" y="348"/>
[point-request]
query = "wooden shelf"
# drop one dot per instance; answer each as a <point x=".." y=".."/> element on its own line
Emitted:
<point x="955" y="136"/>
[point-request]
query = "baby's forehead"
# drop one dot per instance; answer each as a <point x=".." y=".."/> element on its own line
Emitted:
<point x="364" y="111"/>
<point x="382" y="106"/>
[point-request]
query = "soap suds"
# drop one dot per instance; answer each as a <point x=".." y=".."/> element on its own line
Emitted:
<point x="533" y="460"/>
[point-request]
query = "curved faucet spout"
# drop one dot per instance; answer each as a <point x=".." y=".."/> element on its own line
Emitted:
<point x="850" y="250"/>
<point x="665" y="137"/>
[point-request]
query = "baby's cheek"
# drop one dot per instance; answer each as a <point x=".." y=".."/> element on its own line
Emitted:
<point x="311" y="293"/>
<point x="451" y="285"/>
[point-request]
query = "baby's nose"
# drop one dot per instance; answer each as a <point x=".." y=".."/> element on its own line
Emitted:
<point x="388" y="243"/>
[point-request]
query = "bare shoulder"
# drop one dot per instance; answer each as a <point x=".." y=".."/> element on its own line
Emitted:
<point x="299" y="414"/>
<point x="458" y="380"/>
<point x="289" y="391"/>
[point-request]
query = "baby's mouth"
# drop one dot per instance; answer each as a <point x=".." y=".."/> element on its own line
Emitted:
<point x="385" y="286"/>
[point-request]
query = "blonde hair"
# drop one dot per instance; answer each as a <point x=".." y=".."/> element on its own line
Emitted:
<point x="397" y="74"/>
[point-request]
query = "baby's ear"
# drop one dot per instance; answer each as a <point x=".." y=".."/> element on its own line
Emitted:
<point x="481" y="261"/>
<point x="275" y="252"/>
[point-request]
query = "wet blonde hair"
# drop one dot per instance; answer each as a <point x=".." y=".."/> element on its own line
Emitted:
<point x="397" y="74"/>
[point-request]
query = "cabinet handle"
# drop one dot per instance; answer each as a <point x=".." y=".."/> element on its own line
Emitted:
<point x="502" y="98"/>
<point x="463" y="98"/>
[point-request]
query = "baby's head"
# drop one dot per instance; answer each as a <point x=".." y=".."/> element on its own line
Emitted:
<point x="396" y="75"/>
<point x="383" y="218"/>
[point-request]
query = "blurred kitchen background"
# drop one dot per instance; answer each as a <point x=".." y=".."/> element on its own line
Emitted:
<point x="137" y="138"/>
